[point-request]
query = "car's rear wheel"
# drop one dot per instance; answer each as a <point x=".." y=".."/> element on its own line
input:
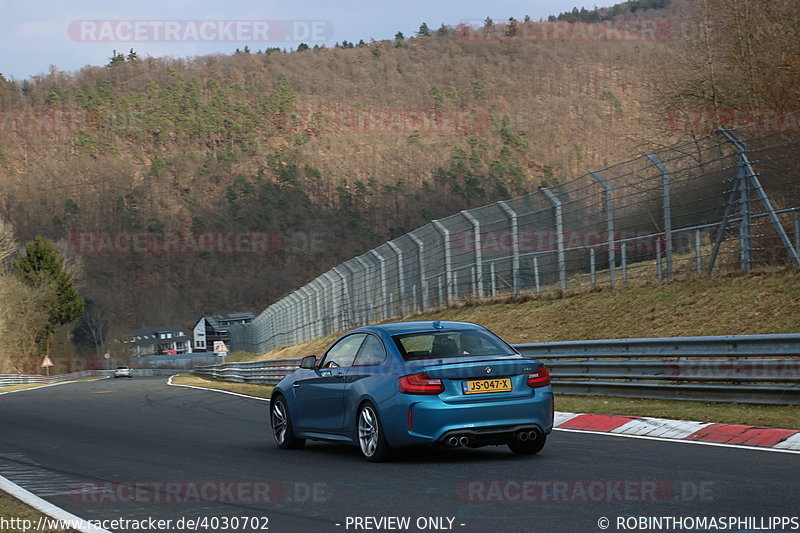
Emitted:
<point x="282" y="425"/>
<point x="371" y="439"/>
<point x="528" y="447"/>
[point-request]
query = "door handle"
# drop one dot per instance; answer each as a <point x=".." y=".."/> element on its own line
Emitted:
<point x="340" y="375"/>
<point x="295" y="385"/>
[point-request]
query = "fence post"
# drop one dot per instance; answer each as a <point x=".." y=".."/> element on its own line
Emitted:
<point x="382" y="269"/>
<point x="304" y="311"/>
<point x="797" y="232"/>
<point x="293" y="317"/>
<point x="318" y="297"/>
<point x="476" y="232"/>
<point x="448" y="265"/>
<point x="666" y="202"/>
<point x="347" y="305"/>
<point x="401" y="282"/>
<point x="512" y="218"/>
<point x="423" y="283"/>
<point x="494" y="279"/>
<point x="745" y="225"/>
<point x="751" y="177"/>
<point x="609" y="208"/>
<point x="698" y="258"/>
<point x="367" y="302"/>
<point x="562" y="265"/>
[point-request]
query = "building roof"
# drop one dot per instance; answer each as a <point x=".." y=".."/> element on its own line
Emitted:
<point x="216" y="321"/>
<point x="151" y="335"/>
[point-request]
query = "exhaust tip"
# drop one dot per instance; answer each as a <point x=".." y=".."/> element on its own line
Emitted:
<point x="533" y="435"/>
<point x="522" y="436"/>
<point x="452" y="441"/>
<point x="464" y="441"/>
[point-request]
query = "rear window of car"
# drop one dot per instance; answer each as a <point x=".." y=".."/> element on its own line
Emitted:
<point x="451" y="343"/>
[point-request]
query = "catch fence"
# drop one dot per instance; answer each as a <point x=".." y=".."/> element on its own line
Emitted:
<point x="729" y="200"/>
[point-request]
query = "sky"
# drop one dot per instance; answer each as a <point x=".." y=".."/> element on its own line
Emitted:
<point x="36" y="35"/>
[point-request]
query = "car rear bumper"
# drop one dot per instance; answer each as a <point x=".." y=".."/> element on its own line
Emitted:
<point x="428" y="420"/>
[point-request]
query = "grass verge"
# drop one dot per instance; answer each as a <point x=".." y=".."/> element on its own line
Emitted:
<point x="11" y="508"/>
<point x="778" y="416"/>
<point x="250" y="389"/>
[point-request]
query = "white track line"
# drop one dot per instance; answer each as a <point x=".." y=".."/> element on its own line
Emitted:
<point x="50" y="385"/>
<point x="67" y="519"/>
<point x="682" y="441"/>
<point x="169" y="382"/>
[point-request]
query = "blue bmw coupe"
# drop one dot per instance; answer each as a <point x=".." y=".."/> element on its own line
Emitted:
<point x="416" y="383"/>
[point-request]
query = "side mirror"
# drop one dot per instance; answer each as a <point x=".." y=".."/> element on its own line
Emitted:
<point x="309" y="362"/>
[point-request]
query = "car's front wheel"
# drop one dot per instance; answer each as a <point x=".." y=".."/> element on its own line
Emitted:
<point x="282" y="425"/>
<point x="371" y="438"/>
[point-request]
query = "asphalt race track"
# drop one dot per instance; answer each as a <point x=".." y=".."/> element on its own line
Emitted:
<point x="139" y="449"/>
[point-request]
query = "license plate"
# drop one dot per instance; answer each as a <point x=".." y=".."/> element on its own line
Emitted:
<point x="481" y="386"/>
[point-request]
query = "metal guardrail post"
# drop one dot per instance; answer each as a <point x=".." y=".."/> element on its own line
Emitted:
<point x="609" y="208"/>
<point x="448" y="265"/>
<point x="423" y="282"/>
<point x="667" y="211"/>
<point x="401" y="281"/>
<point x="562" y="265"/>
<point x="476" y="232"/>
<point x="384" y="299"/>
<point x="512" y="218"/>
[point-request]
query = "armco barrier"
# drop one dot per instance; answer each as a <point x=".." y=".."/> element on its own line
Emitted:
<point x="8" y="380"/>
<point x="763" y="369"/>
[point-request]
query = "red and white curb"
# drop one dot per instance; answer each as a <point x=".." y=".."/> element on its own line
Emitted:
<point x="733" y="435"/>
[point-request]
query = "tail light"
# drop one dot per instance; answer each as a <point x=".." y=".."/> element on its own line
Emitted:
<point x="420" y="384"/>
<point x="540" y="378"/>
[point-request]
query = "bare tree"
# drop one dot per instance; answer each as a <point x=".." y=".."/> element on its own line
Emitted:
<point x="8" y="244"/>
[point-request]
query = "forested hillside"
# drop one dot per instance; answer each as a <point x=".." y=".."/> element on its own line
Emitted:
<point x="330" y="151"/>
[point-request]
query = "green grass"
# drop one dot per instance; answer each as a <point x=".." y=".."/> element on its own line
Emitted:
<point x="779" y="416"/>
<point x="11" y="508"/>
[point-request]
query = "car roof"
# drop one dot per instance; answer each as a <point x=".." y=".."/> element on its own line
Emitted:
<point x="399" y="328"/>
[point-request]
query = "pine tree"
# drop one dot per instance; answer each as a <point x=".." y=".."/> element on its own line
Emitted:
<point x="424" y="31"/>
<point x="41" y="267"/>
